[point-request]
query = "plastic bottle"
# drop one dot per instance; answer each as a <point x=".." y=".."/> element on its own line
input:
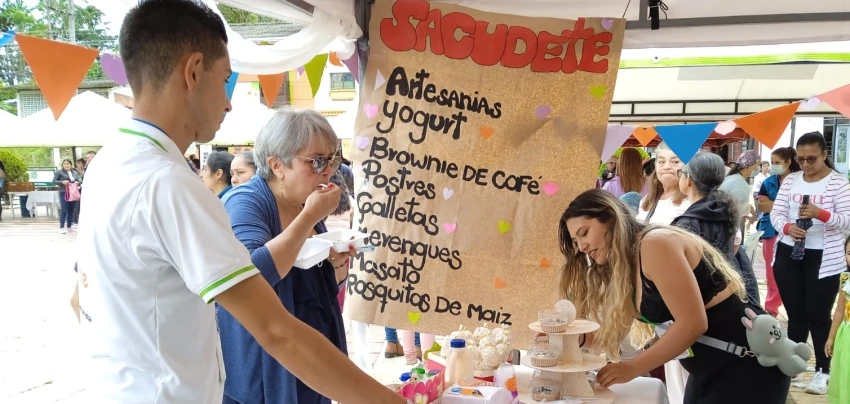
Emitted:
<point x="460" y="364"/>
<point x="505" y="377"/>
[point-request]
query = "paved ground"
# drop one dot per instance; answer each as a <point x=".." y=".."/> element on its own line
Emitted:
<point x="39" y="339"/>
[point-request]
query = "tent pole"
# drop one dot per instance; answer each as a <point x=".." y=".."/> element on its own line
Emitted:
<point x="363" y="14"/>
<point x="738" y="20"/>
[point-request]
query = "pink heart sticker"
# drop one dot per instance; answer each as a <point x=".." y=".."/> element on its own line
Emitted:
<point x="448" y="193"/>
<point x="550" y="188"/>
<point x="543" y="111"/>
<point x="726" y="127"/>
<point x="362" y="142"/>
<point x="450" y="227"/>
<point x="371" y="110"/>
<point x="607" y="23"/>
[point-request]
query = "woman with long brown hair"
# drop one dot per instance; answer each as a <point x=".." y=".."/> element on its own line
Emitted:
<point x="629" y="174"/>
<point x="619" y="270"/>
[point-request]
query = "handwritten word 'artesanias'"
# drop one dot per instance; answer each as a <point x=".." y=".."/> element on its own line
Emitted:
<point x="380" y="150"/>
<point x="416" y="88"/>
<point x="414" y="25"/>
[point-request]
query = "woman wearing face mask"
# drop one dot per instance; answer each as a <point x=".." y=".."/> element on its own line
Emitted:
<point x="783" y="161"/>
<point x="808" y="286"/>
<point x="665" y="201"/>
<point x="628" y="276"/>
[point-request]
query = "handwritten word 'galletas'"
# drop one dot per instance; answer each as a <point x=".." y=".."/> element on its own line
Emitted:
<point x="414" y="25"/>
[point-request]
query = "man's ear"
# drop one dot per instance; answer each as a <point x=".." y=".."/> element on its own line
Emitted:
<point x="192" y="70"/>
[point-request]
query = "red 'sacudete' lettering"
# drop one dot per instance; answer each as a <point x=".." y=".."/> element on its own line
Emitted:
<point x="415" y="26"/>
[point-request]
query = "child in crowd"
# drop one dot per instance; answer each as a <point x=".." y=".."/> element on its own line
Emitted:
<point x="838" y="344"/>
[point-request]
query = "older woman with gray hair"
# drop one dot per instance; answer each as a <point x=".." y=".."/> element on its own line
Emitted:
<point x="285" y="203"/>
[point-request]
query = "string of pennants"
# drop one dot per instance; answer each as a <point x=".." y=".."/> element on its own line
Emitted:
<point x="58" y="69"/>
<point x="687" y="139"/>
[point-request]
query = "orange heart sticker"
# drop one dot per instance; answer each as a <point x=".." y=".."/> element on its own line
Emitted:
<point x="545" y="263"/>
<point x="500" y="283"/>
<point x="487" y="131"/>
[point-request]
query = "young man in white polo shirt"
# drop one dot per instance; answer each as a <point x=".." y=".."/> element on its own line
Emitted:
<point x="156" y="248"/>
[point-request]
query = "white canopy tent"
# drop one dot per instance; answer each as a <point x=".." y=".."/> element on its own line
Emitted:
<point x="241" y="126"/>
<point x="89" y="120"/>
<point x="9" y="122"/>
<point x="332" y="25"/>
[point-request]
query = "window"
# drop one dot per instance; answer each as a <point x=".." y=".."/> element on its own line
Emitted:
<point x="342" y="81"/>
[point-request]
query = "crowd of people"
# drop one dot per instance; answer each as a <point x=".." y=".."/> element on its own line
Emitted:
<point x="654" y="256"/>
<point x="715" y="204"/>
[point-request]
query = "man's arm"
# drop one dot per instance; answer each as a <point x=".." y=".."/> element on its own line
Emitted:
<point x="300" y="349"/>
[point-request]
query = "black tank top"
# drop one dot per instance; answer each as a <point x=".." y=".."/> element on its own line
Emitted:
<point x="652" y="307"/>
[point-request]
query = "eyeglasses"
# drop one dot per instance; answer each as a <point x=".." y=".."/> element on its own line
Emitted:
<point x="809" y="159"/>
<point x="681" y="172"/>
<point x="321" y="163"/>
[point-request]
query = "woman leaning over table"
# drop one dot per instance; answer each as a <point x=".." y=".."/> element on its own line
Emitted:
<point x="628" y="276"/>
<point x="809" y="286"/>
<point x="273" y="214"/>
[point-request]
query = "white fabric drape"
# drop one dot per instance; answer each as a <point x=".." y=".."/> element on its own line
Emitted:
<point x="326" y="31"/>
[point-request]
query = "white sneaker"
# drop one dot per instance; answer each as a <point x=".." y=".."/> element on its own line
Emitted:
<point x="819" y="384"/>
<point x="63" y="231"/>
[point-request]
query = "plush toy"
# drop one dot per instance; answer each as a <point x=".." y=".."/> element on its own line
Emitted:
<point x="772" y="347"/>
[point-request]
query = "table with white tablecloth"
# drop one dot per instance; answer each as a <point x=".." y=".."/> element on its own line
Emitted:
<point x="642" y="390"/>
<point x="48" y="199"/>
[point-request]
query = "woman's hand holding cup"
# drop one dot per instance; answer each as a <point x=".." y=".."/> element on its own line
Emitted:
<point x="322" y="202"/>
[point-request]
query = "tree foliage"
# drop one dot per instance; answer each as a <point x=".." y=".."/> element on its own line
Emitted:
<point x="237" y="16"/>
<point x="16" y="169"/>
<point x="49" y="19"/>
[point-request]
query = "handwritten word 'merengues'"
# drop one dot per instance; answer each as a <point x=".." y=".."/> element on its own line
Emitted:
<point x="380" y="150"/>
<point x="545" y="52"/>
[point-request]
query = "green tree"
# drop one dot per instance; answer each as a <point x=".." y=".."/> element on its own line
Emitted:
<point x="237" y="16"/>
<point x="49" y="19"/>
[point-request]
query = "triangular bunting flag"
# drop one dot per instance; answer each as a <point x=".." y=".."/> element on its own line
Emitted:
<point x="334" y="59"/>
<point x="231" y="84"/>
<point x="645" y="134"/>
<point x="314" y="70"/>
<point x="768" y="126"/>
<point x="379" y="79"/>
<point x="113" y="67"/>
<point x="614" y="138"/>
<point x="6" y="37"/>
<point x="58" y="68"/>
<point x="838" y="99"/>
<point x="300" y="71"/>
<point x="685" y="140"/>
<point x="271" y="87"/>
<point x="353" y="64"/>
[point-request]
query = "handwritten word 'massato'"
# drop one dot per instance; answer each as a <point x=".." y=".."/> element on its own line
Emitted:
<point x="416" y="89"/>
<point x="414" y="25"/>
<point x="499" y="179"/>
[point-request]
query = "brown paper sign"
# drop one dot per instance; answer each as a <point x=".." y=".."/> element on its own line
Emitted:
<point x="475" y="130"/>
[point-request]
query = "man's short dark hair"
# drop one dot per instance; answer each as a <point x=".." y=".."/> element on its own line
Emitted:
<point x="157" y="33"/>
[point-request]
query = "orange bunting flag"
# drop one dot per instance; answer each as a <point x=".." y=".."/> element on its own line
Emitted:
<point x="57" y="67"/>
<point x="767" y="126"/>
<point x="271" y="87"/>
<point x="838" y="99"/>
<point x="334" y="59"/>
<point x="645" y="134"/>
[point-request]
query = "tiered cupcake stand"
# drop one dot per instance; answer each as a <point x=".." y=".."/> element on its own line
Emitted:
<point x="573" y="363"/>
